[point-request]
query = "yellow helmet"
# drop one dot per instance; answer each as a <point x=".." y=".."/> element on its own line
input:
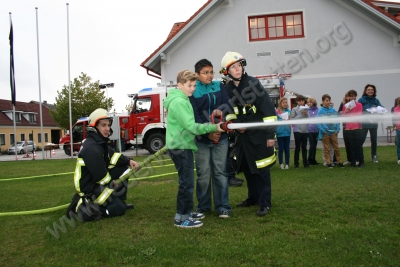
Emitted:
<point x="229" y="59"/>
<point x="98" y="114"/>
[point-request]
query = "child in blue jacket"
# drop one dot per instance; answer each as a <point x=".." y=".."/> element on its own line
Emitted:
<point x="283" y="133"/>
<point x="328" y="132"/>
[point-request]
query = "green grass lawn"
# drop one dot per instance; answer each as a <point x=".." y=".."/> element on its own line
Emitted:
<point x="320" y="217"/>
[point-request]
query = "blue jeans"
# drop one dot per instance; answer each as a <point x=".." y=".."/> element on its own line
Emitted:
<point x="398" y="144"/>
<point x="283" y="145"/>
<point x="210" y="168"/>
<point x="183" y="160"/>
<point x="373" y="135"/>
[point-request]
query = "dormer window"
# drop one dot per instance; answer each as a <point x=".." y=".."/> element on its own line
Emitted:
<point x="32" y="118"/>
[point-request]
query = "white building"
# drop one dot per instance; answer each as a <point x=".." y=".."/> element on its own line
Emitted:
<point x="329" y="46"/>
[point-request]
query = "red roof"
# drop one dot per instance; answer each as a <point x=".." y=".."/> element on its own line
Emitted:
<point x="175" y="29"/>
<point x="369" y="2"/>
<point x="6" y="105"/>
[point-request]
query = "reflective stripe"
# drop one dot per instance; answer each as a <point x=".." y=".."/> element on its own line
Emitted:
<point x="236" y="110"/>
<point x="103" y="196"/>
<point x="105" y="180"/>
<point x="265" y="162"/>
<point x="115" y="158"/>
<point x="78" y="174"/>
<point x="77" y="205"/>
<point x="270" y="119"/>
<point x="244" y="110"/>
<point x="230" y="117"/>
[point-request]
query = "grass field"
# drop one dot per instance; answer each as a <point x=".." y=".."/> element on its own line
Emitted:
<point x="320" y="217"/>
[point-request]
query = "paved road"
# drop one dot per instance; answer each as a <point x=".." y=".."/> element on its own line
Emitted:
<point x="59" y="154"/>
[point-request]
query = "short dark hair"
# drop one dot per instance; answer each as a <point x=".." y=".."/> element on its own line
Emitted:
<point x="365" y="89"/>
<point x="325" y="96"/>
<point x="201" y="64"/>
<point x="352" y="92"/>
<point x="300" y="97"/>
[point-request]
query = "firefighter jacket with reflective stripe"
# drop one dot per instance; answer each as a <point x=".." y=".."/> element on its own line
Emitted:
<point x="92" y="167"/>
<point x="251" y="103"/>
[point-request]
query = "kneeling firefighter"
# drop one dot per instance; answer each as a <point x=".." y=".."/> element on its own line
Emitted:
<point x="98" y="165"/>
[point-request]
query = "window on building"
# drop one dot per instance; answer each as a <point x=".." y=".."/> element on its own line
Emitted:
<point x="2" y="139"/>
<point x="18" y="117"/>
<point x="31" y="136"/>
<point x="12" y="139"/>
<point x="276" y="26"/>
<point x="22" y="137"/>
<point x="39" y="137"/>
<point x="32" y="118"/>
<point x="46" y="137"/>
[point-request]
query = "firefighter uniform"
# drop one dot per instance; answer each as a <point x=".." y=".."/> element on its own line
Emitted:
<point x="251" y="103"/>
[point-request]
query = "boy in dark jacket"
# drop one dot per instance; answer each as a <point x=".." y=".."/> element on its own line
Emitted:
<point x="212" y="147"/>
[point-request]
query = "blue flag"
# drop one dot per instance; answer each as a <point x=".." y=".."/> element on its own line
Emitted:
<point x="12" y="77"/>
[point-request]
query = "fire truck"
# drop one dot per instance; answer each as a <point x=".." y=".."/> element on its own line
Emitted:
<point x="145" y="127"/>
<point x="79" y="133"/>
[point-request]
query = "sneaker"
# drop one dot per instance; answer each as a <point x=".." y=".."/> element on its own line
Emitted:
<point x="398" y="162"/>
<point x="262" y="211"/>
<point x="360" y="165"/>
<point x="234" y="182"/>
<point x="287" y="167"/>
<point x="296" y="166"/>
<point x="224" y="214"/>
<point x="375" y="159"/>
<point x="189" y="223"/>
<point x="340" y="165"/>
<point x="282" y="166"/>
<point x="330" y="166"/>
<point x="245" y="203"/>
<point x="197" y="216"/>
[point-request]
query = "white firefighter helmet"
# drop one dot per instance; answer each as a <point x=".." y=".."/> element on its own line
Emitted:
<point x="229" y="59"/>
<point x="98" y="114"/>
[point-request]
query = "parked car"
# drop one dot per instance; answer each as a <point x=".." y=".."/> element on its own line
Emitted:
<point x="22" y="148"/>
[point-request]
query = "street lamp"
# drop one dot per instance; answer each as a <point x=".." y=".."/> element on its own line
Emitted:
<point x="106" y="86"/>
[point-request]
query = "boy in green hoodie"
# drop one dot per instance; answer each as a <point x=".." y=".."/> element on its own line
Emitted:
<point x="181" y="132"/>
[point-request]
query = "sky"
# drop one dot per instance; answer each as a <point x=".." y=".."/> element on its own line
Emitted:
<point x="108" y="40"/>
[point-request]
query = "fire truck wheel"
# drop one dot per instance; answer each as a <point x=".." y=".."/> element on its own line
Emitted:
<point x="155" y="142"/>
<point x="67" y="149"/>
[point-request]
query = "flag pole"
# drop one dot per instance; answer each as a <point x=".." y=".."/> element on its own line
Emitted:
<point x="12" y="83"/>
<point x="69" y="89"/>
<point x="40" y="91"/>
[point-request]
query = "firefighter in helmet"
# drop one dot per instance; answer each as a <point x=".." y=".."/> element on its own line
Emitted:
<point x="98" y="165"/>
<point x="254" y="147"/>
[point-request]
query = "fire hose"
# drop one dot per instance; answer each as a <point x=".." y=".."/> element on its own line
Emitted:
<point x="229" y="126"/>
<point x="118" y="181"/>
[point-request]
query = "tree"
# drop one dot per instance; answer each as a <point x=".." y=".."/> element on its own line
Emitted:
<point x="129" y="107"/>
<point x="85" y="98"/>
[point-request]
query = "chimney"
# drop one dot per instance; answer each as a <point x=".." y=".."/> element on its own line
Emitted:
<point x="44" y="101"/>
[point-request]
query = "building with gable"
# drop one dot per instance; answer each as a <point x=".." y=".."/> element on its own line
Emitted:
<point x="329" y="46"/>
<point x="28" y="125"/>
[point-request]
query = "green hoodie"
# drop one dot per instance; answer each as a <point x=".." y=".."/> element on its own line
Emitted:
<point x="181" y="128"/>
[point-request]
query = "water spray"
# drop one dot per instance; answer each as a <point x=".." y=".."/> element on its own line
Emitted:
<point x="370" y="118"/>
